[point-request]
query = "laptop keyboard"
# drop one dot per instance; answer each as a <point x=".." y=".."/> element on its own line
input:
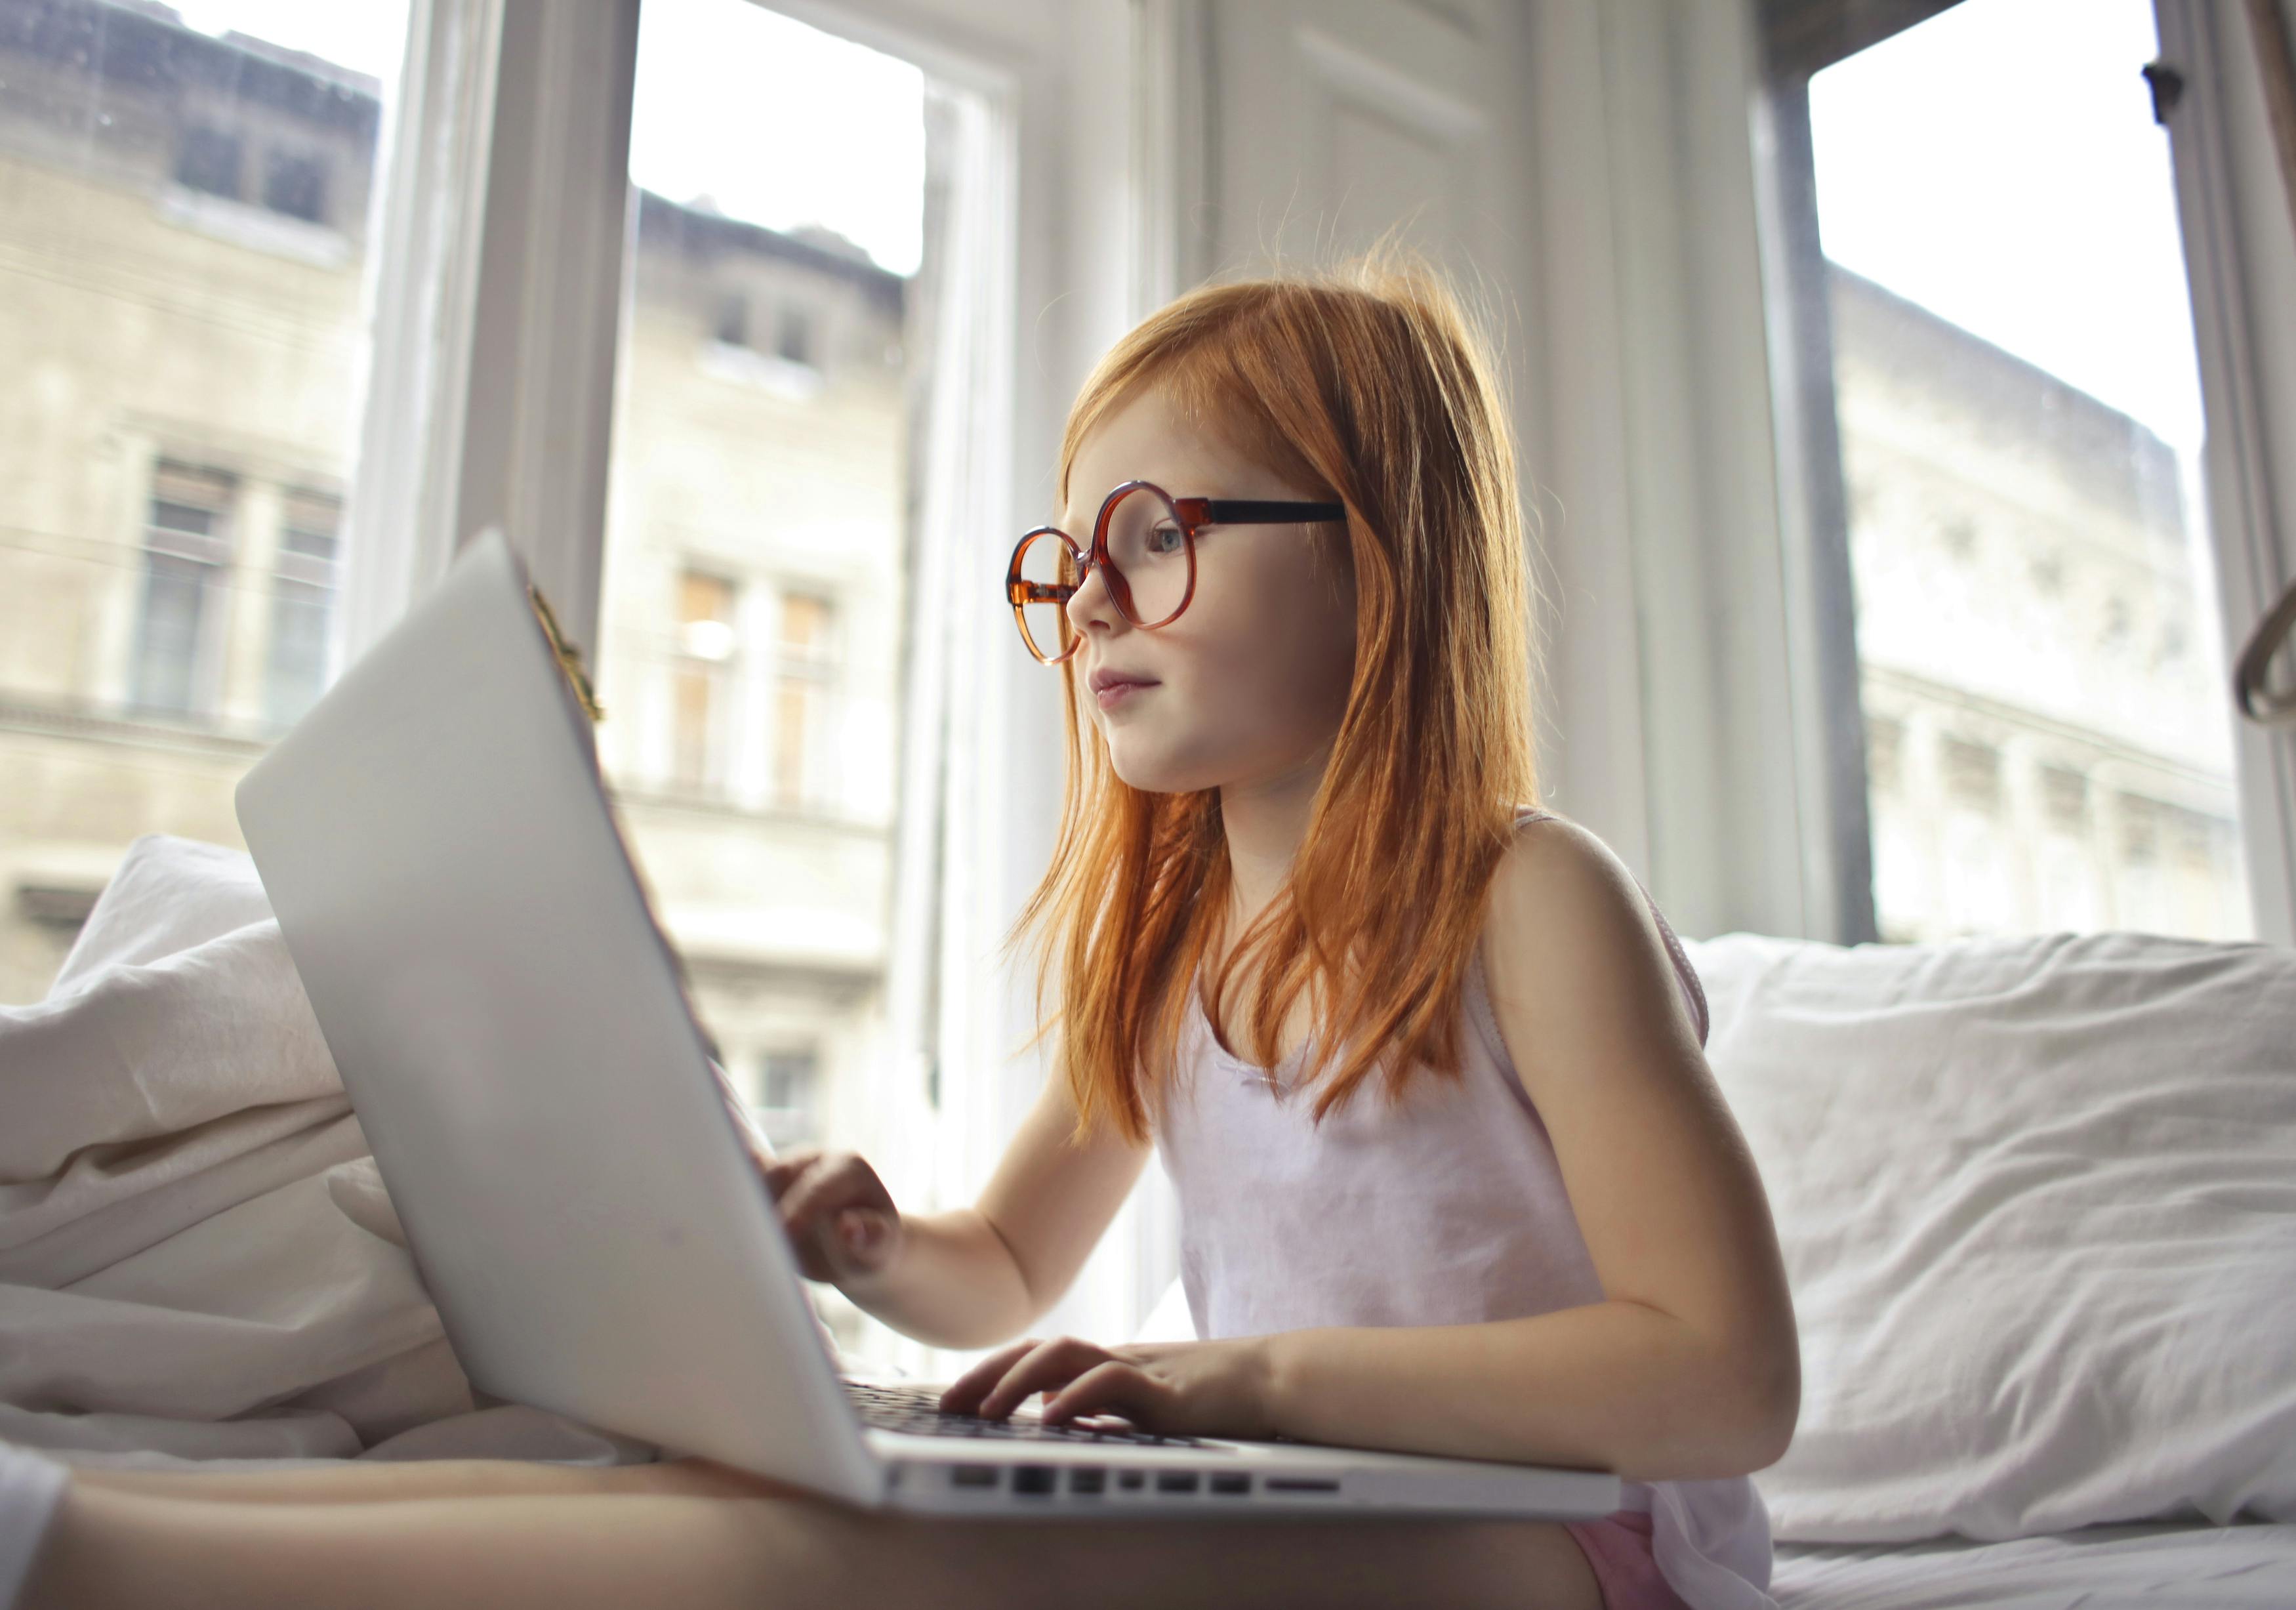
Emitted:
<point x="916" y="1409"/>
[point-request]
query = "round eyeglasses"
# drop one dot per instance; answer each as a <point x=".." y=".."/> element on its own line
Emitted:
<point x="1144" y="544"/>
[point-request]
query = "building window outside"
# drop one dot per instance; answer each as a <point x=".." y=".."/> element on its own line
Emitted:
<point x="302" y="606"/>
<point x="2017" y="394"/>
<point x="734" y="319"/>
<point x="210" y="160"/>
<point x="805" y="685"/>
<point x="794" y="337"/>
<point x="295" y="184"/>
<point x="702" y="681"/>
<point x="788" y="1096"/>
<point x="186" y="574"/>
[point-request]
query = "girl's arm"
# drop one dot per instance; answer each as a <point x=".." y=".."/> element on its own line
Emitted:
<point x="1690" y="1366"/>
<point x="973" y="1277"/>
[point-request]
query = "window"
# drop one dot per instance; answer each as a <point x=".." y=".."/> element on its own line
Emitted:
<point x="802" y="698"/>
<point x="759" y="533"/>
<point x="209" y="159"/>
<point x="788" y="1092"/>
<point x="186" y="571"/>
<point x="795" y="338"/>
<point x="185" y="402"/>
<point x="190" y="196"/>
<point x="734" y="319"/>
<point x="302" y="605"/>
<point x="706" y="640"/>
<point x="2014" y="380"/>
<point x="296" y="184"/>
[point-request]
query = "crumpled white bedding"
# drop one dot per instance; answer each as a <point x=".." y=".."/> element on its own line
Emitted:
<point x="2250" y="1567"/>
<point x="197" y="1257"/>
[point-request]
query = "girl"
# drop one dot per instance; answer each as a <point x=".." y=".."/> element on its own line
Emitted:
<point x="1423" y="1062"/>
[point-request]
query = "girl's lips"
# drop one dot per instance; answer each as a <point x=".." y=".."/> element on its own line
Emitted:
<point x="1116" y="692"/>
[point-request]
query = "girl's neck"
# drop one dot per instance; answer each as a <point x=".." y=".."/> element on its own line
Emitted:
<point x="1264" y="823"/>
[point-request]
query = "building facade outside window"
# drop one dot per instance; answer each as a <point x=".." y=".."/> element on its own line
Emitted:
<point x="2049" y="740"/>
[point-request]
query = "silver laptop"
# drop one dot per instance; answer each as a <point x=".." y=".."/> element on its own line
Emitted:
<point x="512" y="1030"/>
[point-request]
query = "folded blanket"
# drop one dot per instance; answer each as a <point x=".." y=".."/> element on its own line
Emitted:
<point x="198" y="1260"/>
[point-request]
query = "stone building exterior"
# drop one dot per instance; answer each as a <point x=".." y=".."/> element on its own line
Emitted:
<point x="182" y="238"/>
<point x="2048" y="736"/>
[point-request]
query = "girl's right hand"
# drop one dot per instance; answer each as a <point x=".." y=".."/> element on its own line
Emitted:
<point x="840" y="1217"/>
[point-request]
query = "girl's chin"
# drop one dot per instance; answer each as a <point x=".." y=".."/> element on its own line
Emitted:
<point x="1154" y="772"/>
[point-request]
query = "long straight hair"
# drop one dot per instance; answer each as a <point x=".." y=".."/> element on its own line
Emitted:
<point x="1365" y="385"/>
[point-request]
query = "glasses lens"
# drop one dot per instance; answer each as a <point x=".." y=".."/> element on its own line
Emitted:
<point x="1048" y="575"/>
<point x="1150" y="553"/>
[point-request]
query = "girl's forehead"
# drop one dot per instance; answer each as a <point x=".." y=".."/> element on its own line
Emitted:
<point x="1151" y="438"/>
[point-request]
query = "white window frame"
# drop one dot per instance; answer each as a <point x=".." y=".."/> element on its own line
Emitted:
<point x="496" y="295"/>
<point x="2241" y="263"/>
<point x="1716" y="669"/>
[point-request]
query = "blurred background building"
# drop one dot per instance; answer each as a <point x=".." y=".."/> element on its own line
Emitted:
<point x="183" y="250"/>
<point x="2038" y="667"/>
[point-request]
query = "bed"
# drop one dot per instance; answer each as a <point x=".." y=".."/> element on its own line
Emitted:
<point x="2038" y="1203"/>
<point x="2036" y="1197"/>
<point x="2170" y="1567"/>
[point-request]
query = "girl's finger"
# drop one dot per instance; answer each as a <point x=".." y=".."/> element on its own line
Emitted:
<point x="963" y="1395"/>
<point x="788" y="1169"/>
<point x="825" y="1188"/>
<point x="1114" y="1387"/>
<point x="863" y="1233"/>
<point x="1048" y="1368"/>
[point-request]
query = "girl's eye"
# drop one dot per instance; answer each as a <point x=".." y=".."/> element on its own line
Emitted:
<point x="1165" y="540"/>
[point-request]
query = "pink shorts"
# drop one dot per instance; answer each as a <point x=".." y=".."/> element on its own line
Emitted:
<point x="1618" y="1547"/>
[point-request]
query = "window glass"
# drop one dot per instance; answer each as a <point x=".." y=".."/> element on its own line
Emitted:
<point x="185" y="198"/>
<point x="2048" y="728"/>
<point x="778" y="337"/>
<point x="788" y="1096"/>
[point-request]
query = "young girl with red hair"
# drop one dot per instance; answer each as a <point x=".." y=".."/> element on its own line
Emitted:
<point x="1423" y="1062"/>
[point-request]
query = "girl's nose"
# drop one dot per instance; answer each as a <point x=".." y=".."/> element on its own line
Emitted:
<point x="1090" y="605"/>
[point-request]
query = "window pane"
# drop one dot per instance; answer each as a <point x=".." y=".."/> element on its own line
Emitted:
<point x="170" y="637"/>
<point x="185" y="218"/>
<point x="2049" y="739"/>
<point x="778" y="332"/>
<point x="788" y="1096"/>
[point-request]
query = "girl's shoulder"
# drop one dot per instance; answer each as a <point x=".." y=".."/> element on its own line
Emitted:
<point x="1568" y="928"/>
<point x="1549" y="845"/>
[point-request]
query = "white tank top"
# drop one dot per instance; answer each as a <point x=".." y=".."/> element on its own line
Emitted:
<point x="1448" y="1209"/>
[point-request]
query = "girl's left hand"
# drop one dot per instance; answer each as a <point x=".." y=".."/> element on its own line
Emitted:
<point x="1217" y="1389"/>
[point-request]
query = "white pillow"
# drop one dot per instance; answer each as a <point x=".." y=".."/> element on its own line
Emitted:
<point x="2038" y="1202"/>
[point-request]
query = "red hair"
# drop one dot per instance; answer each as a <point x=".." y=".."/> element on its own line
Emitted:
<point x="1366" y="386"/>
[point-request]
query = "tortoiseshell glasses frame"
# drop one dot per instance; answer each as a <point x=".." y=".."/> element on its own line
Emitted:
<point x="1075" y="564"/>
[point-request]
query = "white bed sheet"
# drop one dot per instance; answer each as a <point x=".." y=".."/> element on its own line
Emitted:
<point x="2173" y="1567"/>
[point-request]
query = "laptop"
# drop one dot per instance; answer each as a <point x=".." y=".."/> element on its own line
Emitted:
<point x="514" y="1034"/>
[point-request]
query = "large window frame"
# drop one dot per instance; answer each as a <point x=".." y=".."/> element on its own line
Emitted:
<point x="2214" y="134"/>
<point x="1700" y="685"/>
<point x="495" y="297"/>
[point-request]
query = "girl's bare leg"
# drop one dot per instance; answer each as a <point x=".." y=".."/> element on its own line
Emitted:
<point x="352" y="1482"/>
<point x="615" y="1544"/>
